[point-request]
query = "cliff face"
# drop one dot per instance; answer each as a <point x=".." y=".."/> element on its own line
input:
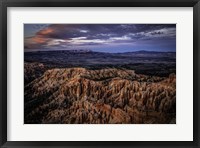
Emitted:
<point x="107" y="96"/>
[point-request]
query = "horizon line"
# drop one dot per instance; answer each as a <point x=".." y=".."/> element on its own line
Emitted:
<point x="89" y="50"/>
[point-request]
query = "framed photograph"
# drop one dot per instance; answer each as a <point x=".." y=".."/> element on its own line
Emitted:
<point x="99" y="73"/>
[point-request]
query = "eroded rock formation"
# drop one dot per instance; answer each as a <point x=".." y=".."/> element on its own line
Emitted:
<point x="106" y="96"/>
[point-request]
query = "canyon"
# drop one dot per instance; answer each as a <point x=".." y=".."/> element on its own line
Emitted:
<point x="106" y="96"/>
<point x="87" y="87"/>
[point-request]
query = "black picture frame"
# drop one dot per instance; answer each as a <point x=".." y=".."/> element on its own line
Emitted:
<point x="99" y="3"/>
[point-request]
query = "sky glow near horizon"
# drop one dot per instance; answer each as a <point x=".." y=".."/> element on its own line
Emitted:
<point x="100" y="37"/>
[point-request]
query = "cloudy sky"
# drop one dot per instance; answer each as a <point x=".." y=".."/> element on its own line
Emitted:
<point x="100" y="37"/>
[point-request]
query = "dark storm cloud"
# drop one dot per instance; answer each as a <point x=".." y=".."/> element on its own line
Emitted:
<point x="98" y="31"/>
<point x="64" y="35"/>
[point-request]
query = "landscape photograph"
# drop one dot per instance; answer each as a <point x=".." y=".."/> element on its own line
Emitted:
<point x="99" y="73"/>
